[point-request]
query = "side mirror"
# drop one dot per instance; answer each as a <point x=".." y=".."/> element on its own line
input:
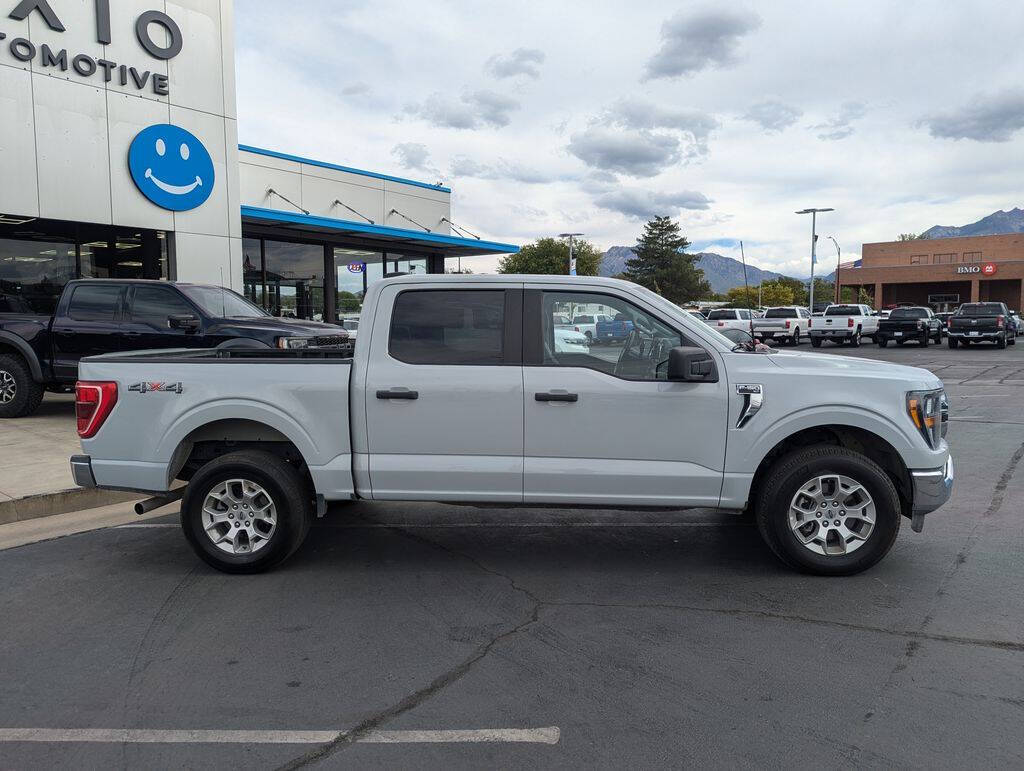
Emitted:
<point x="694" y="365"/>
<point x="185" y="321"/>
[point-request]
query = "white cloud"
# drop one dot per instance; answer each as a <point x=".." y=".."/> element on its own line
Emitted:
<point x="522" y="61"/>
<point x="988" y="118"/>
<point x="691" y="42"/>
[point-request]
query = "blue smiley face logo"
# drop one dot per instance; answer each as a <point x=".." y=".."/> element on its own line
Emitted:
<point x="171" y="167"/>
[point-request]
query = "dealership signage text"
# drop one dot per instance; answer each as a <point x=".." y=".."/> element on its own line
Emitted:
<point x="25" y="50"/>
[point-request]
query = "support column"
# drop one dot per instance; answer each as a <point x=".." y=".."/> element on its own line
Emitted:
<point x="878" y="295"/>
<point x="975" y="290"/>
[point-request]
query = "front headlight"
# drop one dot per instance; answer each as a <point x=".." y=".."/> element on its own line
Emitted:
<point x="293" y="342"/>
<point x="928" y="411"/>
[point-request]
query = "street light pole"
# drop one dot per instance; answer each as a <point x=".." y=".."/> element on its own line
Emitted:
<point x="572" y="257"/>
<point x="814" y="242"/>
<point x="839" y="258"/>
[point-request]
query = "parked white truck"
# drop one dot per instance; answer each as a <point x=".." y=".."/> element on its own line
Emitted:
<point x="843" y="324"/>
<point x="458" y="392"/>
<point x="785" y="324"/>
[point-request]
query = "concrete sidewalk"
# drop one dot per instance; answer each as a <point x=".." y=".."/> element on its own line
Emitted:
<point x="35" y="477"/>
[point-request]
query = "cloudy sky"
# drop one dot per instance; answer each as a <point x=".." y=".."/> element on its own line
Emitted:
<point x="591" y="116"/>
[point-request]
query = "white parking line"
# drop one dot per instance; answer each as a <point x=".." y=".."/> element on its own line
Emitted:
<point x="548" y="735"/>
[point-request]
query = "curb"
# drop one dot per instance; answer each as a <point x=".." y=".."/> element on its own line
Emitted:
<point x="60" y="502"/>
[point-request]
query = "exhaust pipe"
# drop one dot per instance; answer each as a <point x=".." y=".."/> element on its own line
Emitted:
<point x="159" y="500"/>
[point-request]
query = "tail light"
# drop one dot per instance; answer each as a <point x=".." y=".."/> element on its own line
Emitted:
<point x="999" y="321"/>
<point x="721" y="323"/>
<point x="787" y="323"/>
<point x="94" y="399"/>
<point x="810" y="323"/>
<point x="849" y="322"/>
<point x="575" y="329"/>
<point x="949" y="323"/>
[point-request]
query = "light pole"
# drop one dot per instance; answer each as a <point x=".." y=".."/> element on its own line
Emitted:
<point x="572" y="257"/>
<point x="839" y="257"/>
<point x="814" y="242"/>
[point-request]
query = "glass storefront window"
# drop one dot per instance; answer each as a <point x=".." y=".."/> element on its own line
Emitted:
<point x="33" y="274"/>
<point x="294" y="279"/>
<point x="351" y="277"/>
<point x="252" y="271"/>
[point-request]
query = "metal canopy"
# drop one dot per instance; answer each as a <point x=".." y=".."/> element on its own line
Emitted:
<point x="310" y="225"/>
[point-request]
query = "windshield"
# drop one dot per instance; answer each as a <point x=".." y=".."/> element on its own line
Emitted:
<point x="780" y="313"/>
<point x="352" y="324"/>
<point x="583" y="320"/>
<point x="909" y="313"/>
<point x="842" y="310"/>
<point x="217" y="301"/>
<point x="981" y="309"/>
<point x="721" y="315"/>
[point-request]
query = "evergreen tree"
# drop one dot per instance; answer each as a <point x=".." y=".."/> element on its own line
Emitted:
<point x="662" y="265"/>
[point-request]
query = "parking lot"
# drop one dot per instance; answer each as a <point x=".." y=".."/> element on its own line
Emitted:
<point x="542" y="638"/>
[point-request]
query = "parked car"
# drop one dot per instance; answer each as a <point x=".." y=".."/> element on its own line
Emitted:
<point x="351" y="326"/>
<point x="570" y="341"/>
<point x="614" y="331"/>
<point x="944" y="317"/>
<point x="96" y="316"/>
<point x="587" y="323"/>
<point x="918" y="324"/>
<point x="459" y="394"/>
<point x="785" y="324"/>
<point x="982" y="322"/>
<point x="1017" y="323"/>
<point x="844" y="324"/>
<point x="730" y="318"/>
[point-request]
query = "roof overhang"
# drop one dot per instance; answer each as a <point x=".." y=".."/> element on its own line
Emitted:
<point x="309" y="225"/>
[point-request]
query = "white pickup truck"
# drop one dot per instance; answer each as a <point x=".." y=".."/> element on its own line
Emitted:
<point x="458" y="392"/>
<point x="843" y="324"/>
<point x="785" y="324"/>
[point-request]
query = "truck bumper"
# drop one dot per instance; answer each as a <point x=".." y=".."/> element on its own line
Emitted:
<point x="977" y="335"/>
<point x="932" y="488"/>
<point x="81" y="471"/>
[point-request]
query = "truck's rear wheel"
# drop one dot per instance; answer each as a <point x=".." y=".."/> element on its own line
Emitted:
<point x="20" y="395"/>
<point x="828" y="510"/>
<point x="1001" y="341"/>
<point x="816" y="342"/>
<point x="952" y="342"/>
<point x="246" y="511"/>
<point x="855" y="339"/>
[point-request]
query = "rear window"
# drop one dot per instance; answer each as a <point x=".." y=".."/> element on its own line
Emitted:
<point x="714" y="315"/>
<point x="448" y="327"/>
<point x="981" y="309"/>
<point x="842" y="310"/>
<point x="97" y="302"/>
<point x="909" y="313"/>
<point x="780" y="313"/>
<point x="583" y="320"/>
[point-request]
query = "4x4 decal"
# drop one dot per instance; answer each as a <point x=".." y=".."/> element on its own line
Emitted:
<point x="144" y="387"/>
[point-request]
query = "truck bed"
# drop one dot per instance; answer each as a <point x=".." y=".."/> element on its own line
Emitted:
<point x="299" y="396"/>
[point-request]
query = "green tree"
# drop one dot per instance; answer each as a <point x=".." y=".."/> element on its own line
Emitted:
<point x="662" y="265"/>
<point x="797" y="287"/>
<point x="909" y="236"/>
<point x="550" y="256"/>
<point x="742" y="297"/>
<point x="776" y="293"/>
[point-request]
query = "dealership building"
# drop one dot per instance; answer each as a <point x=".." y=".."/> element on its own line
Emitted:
<point x="119" y="158"/>
<point x="941" y="272"/>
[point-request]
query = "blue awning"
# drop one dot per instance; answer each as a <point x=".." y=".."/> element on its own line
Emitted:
<point x="297" y="223"/>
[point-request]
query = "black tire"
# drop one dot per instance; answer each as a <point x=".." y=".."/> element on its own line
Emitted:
<point x="882" y="342"/>
<point x="952" y="342"/>
<point x="791" y="472"/>
<point x="938" y="337"/>
<point x="816" y="342"/>
<point x="284" y="486"/>
<point x="900" y="342"/>
<point x="590" y="338"/>
<point x="855" y="339"/>
<point x="1001" y="341"/>
<point x="1012" y="340"/>
<point x="26" y="395"/>
<point x="925" y="340"/>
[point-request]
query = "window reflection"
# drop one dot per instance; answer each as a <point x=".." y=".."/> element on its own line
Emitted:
<point x="294" y="279"/>
<point x="33" y="274"/>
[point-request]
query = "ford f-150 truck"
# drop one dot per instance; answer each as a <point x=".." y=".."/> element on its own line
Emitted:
<point x="981" y="322"/>
<point x="458" y="392"/>
<point x="843" y="324"/>
<point x="94" y="316"/>
<point x="915" y="323"/>
<point x="783" y="324"/>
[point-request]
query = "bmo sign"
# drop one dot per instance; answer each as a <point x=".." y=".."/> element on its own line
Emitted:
<point x="988" y="269"/>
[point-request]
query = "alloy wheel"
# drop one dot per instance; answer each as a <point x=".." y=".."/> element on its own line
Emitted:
<point x="239" y="516"/>
<point x="832" y="515"/>
<point x="8" y="387"/>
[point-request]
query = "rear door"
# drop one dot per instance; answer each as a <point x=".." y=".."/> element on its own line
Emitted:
<point x="444" y="394"/>
<point x="87" y="323"/>
<point x="606" y="427"/>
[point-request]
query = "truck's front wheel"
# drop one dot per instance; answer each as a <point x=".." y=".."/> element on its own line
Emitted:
<point x="20" y="395"/>
<point x="828" y="510"/>
<point x="246" y="511"/>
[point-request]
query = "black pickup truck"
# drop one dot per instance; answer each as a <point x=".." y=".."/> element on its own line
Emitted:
<point x="982" y="322"/>
<point x="93" y="316"/>
<point x="914" y="323"/>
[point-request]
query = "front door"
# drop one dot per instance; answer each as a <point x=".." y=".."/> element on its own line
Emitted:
<point x="147" y="322"/>
<point x="444" y="394"/>
<point x="604" y="426"/>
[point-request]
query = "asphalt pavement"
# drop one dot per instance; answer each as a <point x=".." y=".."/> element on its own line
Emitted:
<point x="424" y="636"/>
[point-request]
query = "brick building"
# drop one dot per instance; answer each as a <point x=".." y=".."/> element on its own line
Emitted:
<point x="941" y="272"/>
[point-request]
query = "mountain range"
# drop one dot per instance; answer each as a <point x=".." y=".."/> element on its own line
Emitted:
<point x="994" y="224"/>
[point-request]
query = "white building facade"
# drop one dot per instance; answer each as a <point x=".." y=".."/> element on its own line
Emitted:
<point x="119" y="157"/>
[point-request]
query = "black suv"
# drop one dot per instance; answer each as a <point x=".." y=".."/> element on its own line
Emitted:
<point x="95" y="316"/>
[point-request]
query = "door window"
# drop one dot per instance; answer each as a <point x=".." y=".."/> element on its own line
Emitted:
<point x="94" y="302"/>
<point x="448" y="327"/>
<point x="635" y="347"/>
<point x="152" y="305"/>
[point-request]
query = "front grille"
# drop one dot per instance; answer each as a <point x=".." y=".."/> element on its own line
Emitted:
<point x="332" y="341"/>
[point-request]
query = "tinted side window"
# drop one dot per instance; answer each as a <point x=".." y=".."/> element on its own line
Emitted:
<point x="94" y="302"/>
<point x="448" y="327"/>
<point x="154" y="304"/>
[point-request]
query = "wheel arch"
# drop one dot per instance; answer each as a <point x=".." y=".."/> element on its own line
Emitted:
<point x="12" y="344"/>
